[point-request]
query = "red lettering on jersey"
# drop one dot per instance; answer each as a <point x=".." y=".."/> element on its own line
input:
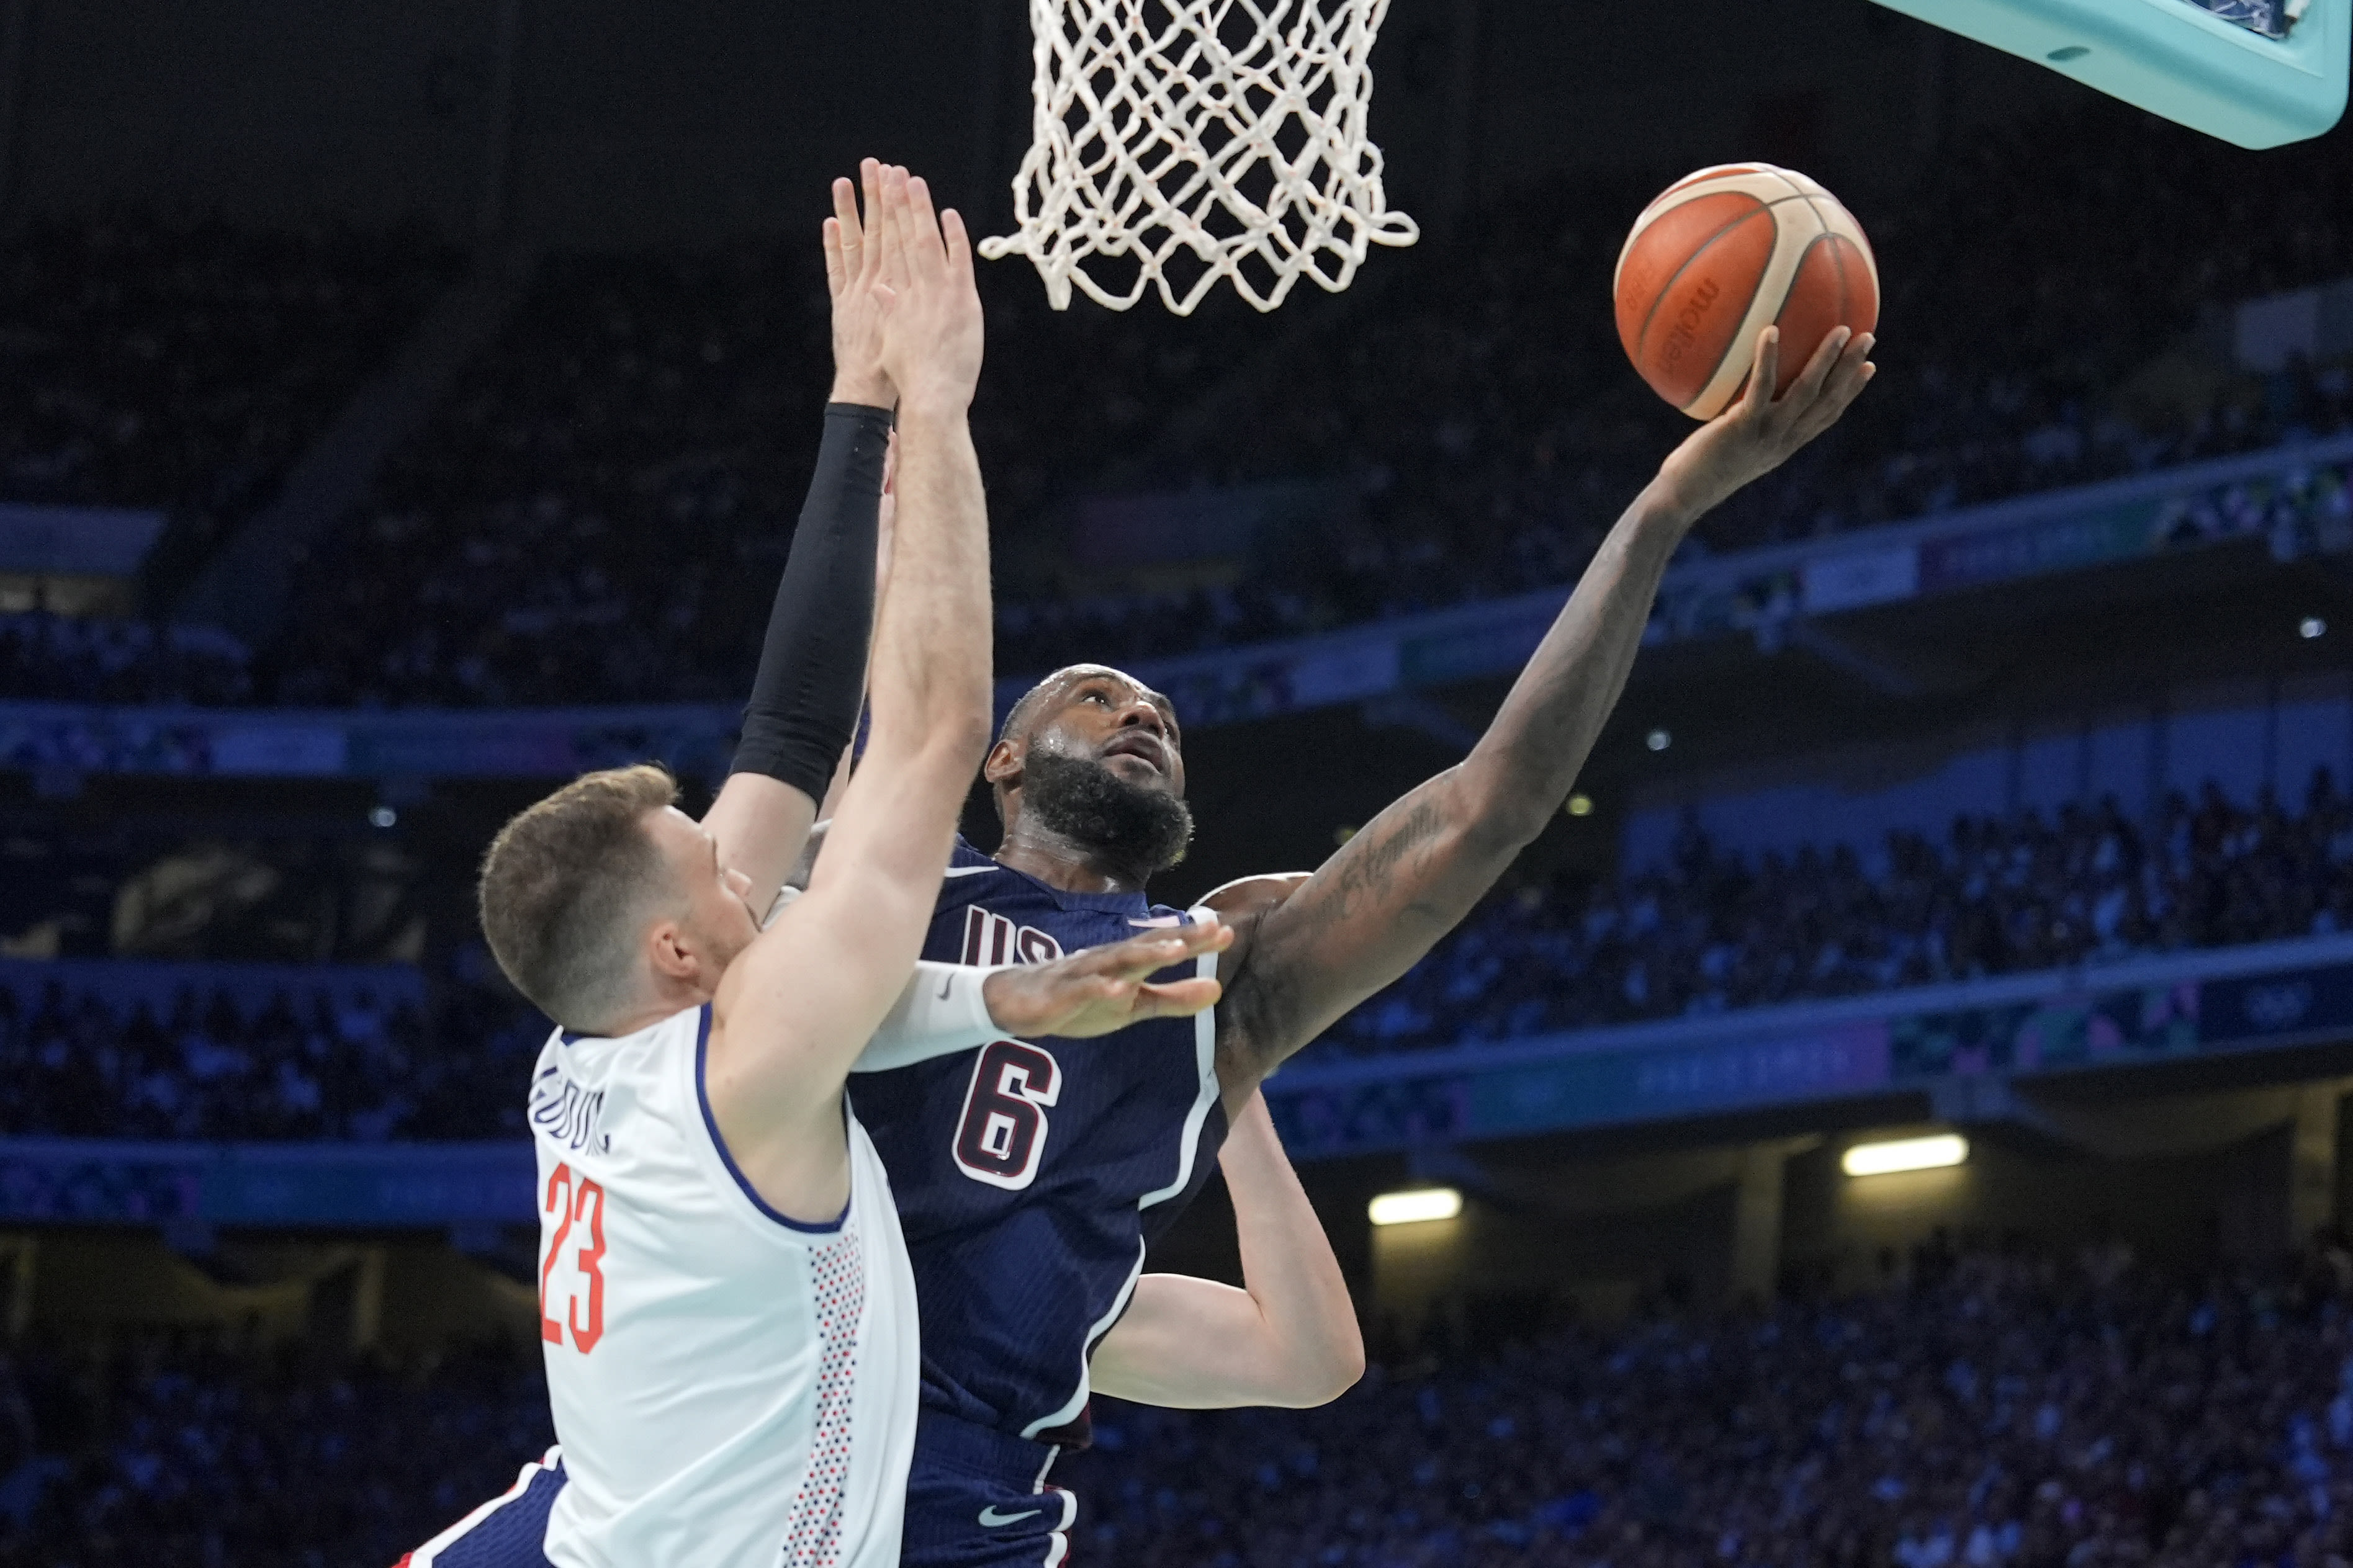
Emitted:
<point x="576" y="1200"/>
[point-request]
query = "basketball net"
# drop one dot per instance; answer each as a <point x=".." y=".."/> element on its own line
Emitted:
<point x="1227" y="131"/>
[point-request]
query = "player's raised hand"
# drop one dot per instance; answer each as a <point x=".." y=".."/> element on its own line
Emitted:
<point x="1761" y="432"/>
<point x="932" y="321"/>
<point x="854" y="275"/>
<point x="1105" y="989"/>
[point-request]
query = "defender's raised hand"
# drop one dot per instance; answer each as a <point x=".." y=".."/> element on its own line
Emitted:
<point x="1105" y="989"/>
<point x="1761" y="431"/>
<point x="856" y="277"/>
<point x="932" y="321"/>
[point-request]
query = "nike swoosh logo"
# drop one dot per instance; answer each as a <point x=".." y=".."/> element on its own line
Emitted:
<point x="973" y="870"/>
<point x="992" y="1519"/>
<point x="947" y="984"/>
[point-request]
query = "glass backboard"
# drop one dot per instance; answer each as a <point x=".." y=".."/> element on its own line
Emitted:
<point x="2256" y="72"/>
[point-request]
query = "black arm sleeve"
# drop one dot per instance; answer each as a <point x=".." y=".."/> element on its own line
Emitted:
<point x="805" y="699"/>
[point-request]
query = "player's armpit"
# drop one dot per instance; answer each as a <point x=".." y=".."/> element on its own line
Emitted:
<point x="761" y="825"/>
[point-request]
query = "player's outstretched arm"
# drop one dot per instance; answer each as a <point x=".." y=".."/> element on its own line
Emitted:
<point x="804" y="696"/>
<point x="1288" y="1337"/>
<point x="794" y="1011"/>
<point x="951" y="1008"/>
<point x="1414" y="872"/>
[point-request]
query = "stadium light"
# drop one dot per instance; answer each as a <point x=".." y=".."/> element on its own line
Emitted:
<point x="1905" y="1155"/>
<point x="1422" y="1203"/>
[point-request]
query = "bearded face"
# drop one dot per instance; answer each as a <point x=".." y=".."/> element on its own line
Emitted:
<point x="1134" y="826"/>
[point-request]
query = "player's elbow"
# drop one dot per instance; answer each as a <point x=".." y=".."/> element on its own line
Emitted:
<point x="1498" y="811"/>
<point x="1323" y="1374"/>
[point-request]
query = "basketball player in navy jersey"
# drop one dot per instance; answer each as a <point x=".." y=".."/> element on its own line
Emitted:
<point x="1290" y="1329"/>
<point x="1032" y="1180"/>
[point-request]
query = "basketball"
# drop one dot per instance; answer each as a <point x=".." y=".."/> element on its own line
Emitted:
<point x="1721" y="255"/>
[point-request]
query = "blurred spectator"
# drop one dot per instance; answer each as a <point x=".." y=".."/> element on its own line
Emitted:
<point x="73" y="1064"/>
<point x="183" y="367"/>
<point x="1993" y="1411"/>
<point x="90" y="660"/>
<point x="1712" y="931"/>
<point x="597" y="511"/>
<point x="197" y="1454"/>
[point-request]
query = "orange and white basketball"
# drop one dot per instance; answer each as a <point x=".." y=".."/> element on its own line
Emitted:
<point x="1724" y="253"/>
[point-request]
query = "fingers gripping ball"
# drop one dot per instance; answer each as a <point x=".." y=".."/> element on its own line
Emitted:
<point x="1722" y="254"/>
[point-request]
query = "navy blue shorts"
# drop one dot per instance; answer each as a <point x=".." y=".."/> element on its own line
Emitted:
<point x="977" y="1498"/>
<point x="509" y="1532"/>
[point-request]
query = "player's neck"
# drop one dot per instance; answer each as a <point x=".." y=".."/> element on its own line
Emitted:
<point x="1064" y="863"/>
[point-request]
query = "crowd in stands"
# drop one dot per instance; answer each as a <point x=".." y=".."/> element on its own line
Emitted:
<point x="1982" y="1410"/>
<point x="183" y="366"/>
<point x="1705" y="931"/>
<point x="75" y="1062"/>
<point x="200" y="1456"/>
<point x="1710" y="930"/>
<point x="599" y="507"/>
<point x="79" y="659"/>
<point x="1994" y="1411"/>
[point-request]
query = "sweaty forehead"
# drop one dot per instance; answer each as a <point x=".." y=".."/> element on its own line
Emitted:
<point x="1076" y="679"/>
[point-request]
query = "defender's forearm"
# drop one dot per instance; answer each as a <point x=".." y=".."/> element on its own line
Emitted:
<point x="805" y="696"/>
<point x="932" y="645"/>
<point x="943" y="1010"/>
<point x="1288" y="1265"/>
<point x="1288" y="1338"/>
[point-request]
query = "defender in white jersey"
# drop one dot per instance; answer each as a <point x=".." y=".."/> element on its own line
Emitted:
<point x="730" y="1359"/>
<point x="667" y="1274"/>
<point x="726" y="1307"/>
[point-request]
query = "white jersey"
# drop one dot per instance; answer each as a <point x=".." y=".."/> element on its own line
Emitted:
<point x="732" y="1388"/>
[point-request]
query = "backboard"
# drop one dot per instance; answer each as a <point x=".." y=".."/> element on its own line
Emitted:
<point x="2256" y="72"/>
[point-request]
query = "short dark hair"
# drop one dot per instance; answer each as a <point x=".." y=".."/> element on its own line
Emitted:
<point x="564" y="886"/>
<point x="1017" y="717"/>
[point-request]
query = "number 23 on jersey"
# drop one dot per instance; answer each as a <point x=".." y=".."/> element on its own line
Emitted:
<point x="573" y="1280"/>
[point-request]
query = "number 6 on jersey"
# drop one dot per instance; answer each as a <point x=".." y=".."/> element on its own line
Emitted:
<point x="1002" y="1135"/>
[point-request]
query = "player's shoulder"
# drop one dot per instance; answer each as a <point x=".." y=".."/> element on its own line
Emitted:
<point x="963" y="857"/>
<point x="1245" y="896"/>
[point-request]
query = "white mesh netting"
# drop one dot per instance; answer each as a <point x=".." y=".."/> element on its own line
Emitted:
<point x="1180" y="142"/>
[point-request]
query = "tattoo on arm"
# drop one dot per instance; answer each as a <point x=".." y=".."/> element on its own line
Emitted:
<point x="1378" y="884"/>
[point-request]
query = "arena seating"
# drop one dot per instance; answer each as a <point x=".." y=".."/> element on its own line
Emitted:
<point x="1712" y="931"/>
<point x="74" y="658"/>
<point x="1706" y="932"/>
<point x="183" y="367"/>
<point x="174" y="1452"/>
<point x="82" y="1056"/>
<point x="1981" y="1408"/>
<point x="626" y="463"/>
<point x="624" y="467"/>
<point x="1999" y="1410"/>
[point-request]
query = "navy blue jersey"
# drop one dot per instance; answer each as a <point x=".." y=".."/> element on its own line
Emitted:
<point x="1031" y="1177"/>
